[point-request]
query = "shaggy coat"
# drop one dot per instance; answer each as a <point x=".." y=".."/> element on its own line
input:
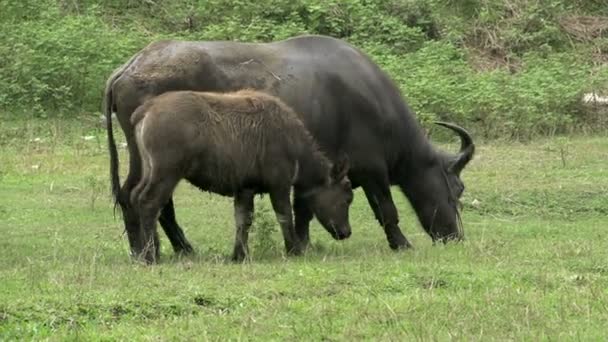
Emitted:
<point x="234" y="144"/>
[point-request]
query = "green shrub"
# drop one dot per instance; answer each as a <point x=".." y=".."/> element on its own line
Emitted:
<point x="542" y="98"/>
<point x="55" y="55"/>
<point x="59" y="66"/>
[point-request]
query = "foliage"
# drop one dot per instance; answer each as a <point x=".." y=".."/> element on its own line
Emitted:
<point x="542" y="98"/>
<point x="264" y="229"/>
<point x="503" y="68"/>
<point x="59" y="65"/>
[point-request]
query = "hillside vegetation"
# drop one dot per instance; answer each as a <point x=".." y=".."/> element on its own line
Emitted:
<point x="533" y="265"/>
<point x="512" y="68"/>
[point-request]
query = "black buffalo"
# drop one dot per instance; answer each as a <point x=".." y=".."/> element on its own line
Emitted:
<point x="347" y="103"/>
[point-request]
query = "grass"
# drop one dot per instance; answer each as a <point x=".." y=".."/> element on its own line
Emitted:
<point x="534" y="265"/>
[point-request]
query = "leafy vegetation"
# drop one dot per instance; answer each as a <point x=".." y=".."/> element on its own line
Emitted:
<point x="534" y="262"/>
<point x="510" y="69"/>
<point x="533" y="265"/>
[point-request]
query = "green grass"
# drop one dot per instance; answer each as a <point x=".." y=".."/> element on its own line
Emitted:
<point x="534" y="265"/>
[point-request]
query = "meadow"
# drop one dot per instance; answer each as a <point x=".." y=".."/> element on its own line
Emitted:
<point x="534" y="265"/>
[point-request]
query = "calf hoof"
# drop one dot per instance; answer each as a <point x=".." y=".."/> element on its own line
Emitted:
<point x="146" y="258"/>
<point x="152" y="256"/>
<point x="305" y="245"/>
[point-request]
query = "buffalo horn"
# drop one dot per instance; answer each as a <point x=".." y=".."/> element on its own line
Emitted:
<point x="467" y="148"/>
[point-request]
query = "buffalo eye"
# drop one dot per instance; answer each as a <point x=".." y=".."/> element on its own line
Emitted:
<point x="459" y="190"/>
<point x="346" y="184"/>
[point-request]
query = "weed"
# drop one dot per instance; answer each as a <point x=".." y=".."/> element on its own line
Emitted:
<point x="264" y="229"/>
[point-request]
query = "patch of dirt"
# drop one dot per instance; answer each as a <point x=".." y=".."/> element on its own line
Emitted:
<point x="202" y="301"/>
<point x="492" y="59"/>
<point x="487" y="50"/>
<point x="433" y="283"/>
<point x="585" y="28"/>
<point x="588" y="29"/>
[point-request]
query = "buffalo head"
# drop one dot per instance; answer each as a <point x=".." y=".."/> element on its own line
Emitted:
<point x="435" y="189"/>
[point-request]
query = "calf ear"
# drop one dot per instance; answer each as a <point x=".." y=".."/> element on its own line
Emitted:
<point x="340" y="167"/>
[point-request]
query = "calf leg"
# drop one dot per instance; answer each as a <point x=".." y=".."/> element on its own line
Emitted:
<point x="167" y="216"/>
<point x="243" y="217"/>
<point x="303" y="216"/>
<point x="172" y="229"/>
<point x="381" y="201"/>
<point x="129" y="211"/>
<point x="135" y="195"/>
<point x="154" y="195"/>
<point x="282" y="208"/>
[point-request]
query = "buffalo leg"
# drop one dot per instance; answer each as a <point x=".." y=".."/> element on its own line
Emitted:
<point x="282" y="208"/>
<point x="381" y="202"/>
<point x="243" y="217"/>
<point x="172" y="229"/>
<point x="303" y="216"/>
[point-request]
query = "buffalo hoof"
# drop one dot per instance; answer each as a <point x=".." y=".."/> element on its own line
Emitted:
<point x="401" y="245"/>
<point x="239" y="255"/>
<point x="447" y="240"/>
<point x="238" y="259"/>
<point x="184" y="251"/>
<point x="296" y="250"/>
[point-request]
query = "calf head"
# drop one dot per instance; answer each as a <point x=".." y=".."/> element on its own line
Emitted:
<point x="330" y="202"/>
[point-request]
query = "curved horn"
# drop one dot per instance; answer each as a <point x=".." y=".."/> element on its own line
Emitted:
<point x="467" y="148"/>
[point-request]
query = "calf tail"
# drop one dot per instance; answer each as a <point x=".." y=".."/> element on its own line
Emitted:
<point x="138" y="114"/>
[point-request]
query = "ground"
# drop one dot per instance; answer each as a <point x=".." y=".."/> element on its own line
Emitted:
<point x="534" y="264"/>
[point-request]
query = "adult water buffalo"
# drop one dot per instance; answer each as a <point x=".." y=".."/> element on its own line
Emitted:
<point x="235" y="144"/>
<point x="346" y="101"/>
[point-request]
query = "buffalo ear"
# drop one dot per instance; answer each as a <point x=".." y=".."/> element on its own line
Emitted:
<point x="340" y="167"/>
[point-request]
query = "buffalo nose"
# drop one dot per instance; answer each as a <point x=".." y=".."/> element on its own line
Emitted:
<point x="344" y="235"/>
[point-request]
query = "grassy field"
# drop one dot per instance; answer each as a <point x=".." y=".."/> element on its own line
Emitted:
<point x="534" y="265"/>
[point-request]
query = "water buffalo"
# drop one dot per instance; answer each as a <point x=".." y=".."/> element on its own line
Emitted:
<point x="345" y="100"/>
<point x="234" y="144"/>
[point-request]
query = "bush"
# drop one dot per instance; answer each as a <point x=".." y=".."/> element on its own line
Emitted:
<point x="542" y="98"/>
<point x="501" y="69"/>
<point x="59" y="66"/>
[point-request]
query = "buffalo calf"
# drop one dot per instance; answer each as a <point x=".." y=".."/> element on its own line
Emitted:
<point x="234" y="144"/>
